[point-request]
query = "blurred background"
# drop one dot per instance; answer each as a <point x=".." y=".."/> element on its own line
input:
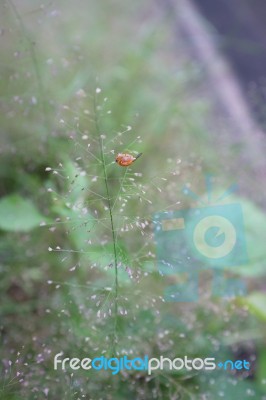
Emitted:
<point x="181" y="81"/>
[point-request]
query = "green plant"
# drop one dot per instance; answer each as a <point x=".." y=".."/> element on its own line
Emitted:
<point x="99" y="194"/>
<point x="65" y="299"/>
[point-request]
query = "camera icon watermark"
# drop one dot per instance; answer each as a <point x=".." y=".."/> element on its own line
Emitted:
<point x="210" y="236"/>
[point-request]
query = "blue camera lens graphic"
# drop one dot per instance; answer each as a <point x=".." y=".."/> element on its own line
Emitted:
<point x="214" y="237"/>
<point x="191" y="240"/>
<point x="215" y="227"/>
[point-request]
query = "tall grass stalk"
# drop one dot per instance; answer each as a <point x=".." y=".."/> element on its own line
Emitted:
<point x="110" y="210"/>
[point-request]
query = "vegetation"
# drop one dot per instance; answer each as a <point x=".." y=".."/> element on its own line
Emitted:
<point x="81" y="82"/>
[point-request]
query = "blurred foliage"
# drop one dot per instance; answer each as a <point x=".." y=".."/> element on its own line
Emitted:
<point x="18" y="214"/>
<point x="54" y="52"/>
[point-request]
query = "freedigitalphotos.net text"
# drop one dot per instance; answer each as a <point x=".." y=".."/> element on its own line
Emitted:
<point x="116" y="364"/>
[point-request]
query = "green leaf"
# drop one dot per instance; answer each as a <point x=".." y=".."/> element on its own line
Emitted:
<point x="18" y="214"/>
<point x="257" y="304"/>
<point x="255" y="231"/>
<point x="261" y="374"/>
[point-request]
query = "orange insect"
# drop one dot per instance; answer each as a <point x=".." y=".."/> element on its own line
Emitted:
<point x="125" y="159"/>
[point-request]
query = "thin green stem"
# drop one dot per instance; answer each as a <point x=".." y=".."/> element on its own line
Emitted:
<point x="120" y="190"/>
<point x="110" y="209"/>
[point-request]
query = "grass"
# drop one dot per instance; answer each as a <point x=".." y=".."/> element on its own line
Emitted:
<point x="98" y="291"/>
